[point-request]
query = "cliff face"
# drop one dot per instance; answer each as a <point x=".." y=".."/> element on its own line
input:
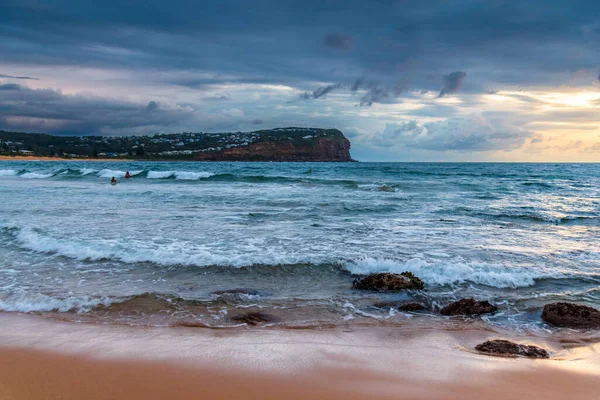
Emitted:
<point x="320" y="149"/>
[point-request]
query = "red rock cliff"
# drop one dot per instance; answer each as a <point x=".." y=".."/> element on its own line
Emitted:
<point x="321" y="149"/>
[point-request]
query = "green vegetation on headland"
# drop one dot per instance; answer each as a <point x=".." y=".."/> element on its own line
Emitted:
<point x="176" y="146"/>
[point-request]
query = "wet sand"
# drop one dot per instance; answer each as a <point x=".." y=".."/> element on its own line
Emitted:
<point x="45" y="359"/>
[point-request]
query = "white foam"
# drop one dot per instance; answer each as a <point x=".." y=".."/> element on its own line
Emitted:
<point x="109" y="173"/>
<point x="8" y="172"/>
<point x="34" y="241"/>
<point x="87" y="171"/>
<point x="452" y="272"/>
<point x="186" y="175"/>
<point x="178" y="253"/>
<point x="35" y="175"/>
<point x="160" y="174"/>
<point x="181" y="175"/>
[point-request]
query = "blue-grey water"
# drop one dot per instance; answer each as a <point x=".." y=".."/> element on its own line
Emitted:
<point x="153" y="249"/>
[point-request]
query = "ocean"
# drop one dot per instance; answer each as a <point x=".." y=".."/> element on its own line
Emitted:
<point x="194" y="244"/>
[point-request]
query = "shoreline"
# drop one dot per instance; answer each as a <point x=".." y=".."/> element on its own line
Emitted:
<point x="45" y="158"/>
<point x="47" y="358"/>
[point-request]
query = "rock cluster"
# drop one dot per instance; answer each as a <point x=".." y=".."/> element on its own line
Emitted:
<point x="468" y="307"/>
<point x="388" y="282"/>
<point x="569" y="315"/>
<point x="507" y="348"/>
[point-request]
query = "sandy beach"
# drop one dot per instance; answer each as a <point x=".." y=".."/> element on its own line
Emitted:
<point x="43" y="359"/>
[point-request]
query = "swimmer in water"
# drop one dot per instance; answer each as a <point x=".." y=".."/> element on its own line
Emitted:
<point x="127" y="176"/>
<point x="113" y="181"/>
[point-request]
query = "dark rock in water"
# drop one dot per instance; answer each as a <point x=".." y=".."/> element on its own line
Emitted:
<point x="468" y="307"/>
<point x="569" y="315"/>
<point x="411" y="307"/>
<point x="190" y="324"/>
<point x="388" y="282"/>
<point x="506" y="348"/>
<point x="255" y="318"/>
<point x="400" y="305"/>
<point x="385" y="188"/>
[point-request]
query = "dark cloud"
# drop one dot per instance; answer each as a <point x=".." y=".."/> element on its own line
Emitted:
<point x="378" y="92"/>
<point x="452" y="82"/>
<point x="280" y="41"/>
<point x="599" y="77"/>
<point x="257" y="122"/>
<point x="320" y="92"/>
<point x="183" y="53"/>
<point x="338" y="41"/>
<point x="374" y="95"/>
<point x="152" y="105"/>
<point x="45" y="110"/>
<point x="358" y="83"/>
<point x="19" y="77"/>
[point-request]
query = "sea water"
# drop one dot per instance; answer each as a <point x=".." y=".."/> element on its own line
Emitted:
<point x="195" y="243"/>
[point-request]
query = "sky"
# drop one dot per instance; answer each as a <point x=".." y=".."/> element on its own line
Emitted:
<point x="405" y="80"/>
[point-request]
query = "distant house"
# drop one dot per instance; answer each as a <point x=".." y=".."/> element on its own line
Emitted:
<point x="25" y="151"/>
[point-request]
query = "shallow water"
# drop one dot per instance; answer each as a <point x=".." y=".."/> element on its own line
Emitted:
<point x="153" y="249"/>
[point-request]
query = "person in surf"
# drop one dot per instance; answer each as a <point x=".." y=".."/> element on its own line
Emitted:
<point x="127" y="176"/>
<point x="309" y="171"/>
<point x="113" y="181"/>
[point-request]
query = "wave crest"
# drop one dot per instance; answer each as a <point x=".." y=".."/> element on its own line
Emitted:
<point x="8" y="172"/>
<point x="452" y="273"/>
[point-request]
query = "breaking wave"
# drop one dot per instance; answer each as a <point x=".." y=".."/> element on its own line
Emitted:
<point x="8" y="172"/>
<point x="455" y="272"/>
<point x="109" y="173"/>
<point x="434" y="273"/>
<point x="182" y="175"/>
<point x="35" y="175"/>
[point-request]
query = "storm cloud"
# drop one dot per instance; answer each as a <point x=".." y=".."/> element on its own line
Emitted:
<point x="22" y="108"/>
<point x="156" y="66"/>
<point x="320" y="92"/>
<point x="378" y="92"/>
<point x="452" y="82"/>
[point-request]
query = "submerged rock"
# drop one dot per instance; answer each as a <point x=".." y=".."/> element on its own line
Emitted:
<point x="569" y="315"/>
<point x="255" y="318"/>
<point x="388" y="282"/>
<point x="411" y="307"/>
<point x="385" y="188"/>
<point x="468" y="307"/>
<point x="507" y="348"/>
<point x="400" y="305"/>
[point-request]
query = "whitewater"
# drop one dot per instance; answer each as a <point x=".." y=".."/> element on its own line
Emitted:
<point x="182" y="241"/>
